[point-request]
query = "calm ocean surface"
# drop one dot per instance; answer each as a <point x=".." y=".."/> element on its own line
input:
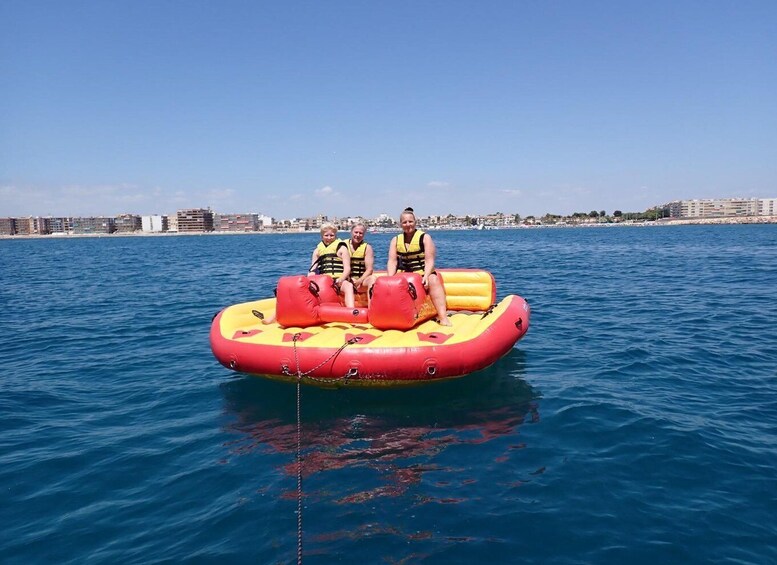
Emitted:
<point x="635" y="423"/>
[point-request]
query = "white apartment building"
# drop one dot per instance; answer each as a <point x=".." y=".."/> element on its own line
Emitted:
<point x="722" y="207"/>
<point x="154" y="224"/>
<point x="767" y="207"/>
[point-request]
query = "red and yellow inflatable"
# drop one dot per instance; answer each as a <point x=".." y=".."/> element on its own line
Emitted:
<point x="393" y="342"/>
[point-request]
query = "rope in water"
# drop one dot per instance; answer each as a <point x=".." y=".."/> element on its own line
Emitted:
<point x="299" y="472"/>
<point x="352" y="372"/>
<point x="300" y="374"/>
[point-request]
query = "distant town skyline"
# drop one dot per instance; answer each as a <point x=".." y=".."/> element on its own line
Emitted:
<point x="345" y="109"/>
<point x="705" y="207"/>
<point x="203" y="220"/>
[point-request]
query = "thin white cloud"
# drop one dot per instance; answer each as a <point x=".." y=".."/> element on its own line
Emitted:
<point x="132" y="198"/>
<point x="325" y="191"/>
<point x="221" y="199"/>
<point x="566" y="191"/>
<point x="512" y="191"/>
<point x="437" y="184"/>
<point x="179" y="199"/>
<point x="221" y="193"/>
<point x="93" y="200"/>
<point x="8" y="190"/>
<point x="101" y="190"/>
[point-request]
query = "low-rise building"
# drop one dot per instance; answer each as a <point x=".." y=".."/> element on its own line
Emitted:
<point x="383" y="221"/>
<point x="195" y="220"/>
<point x="92" y="225"/>
<point x="721" y="207"/>
<point x="154" y="224"/>
<point x="7" y="226"/>
<point x="767" y="206"/>
<point x="128" y="223"/>
<point x="42" y="225"/>
<point x="59" y="225"/>
<point x="238" y="222"/>
<point x="26" y="226"/>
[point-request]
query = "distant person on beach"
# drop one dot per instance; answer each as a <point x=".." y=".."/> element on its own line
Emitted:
<point x="331" y="257"/>
<point x="413" y="251"/>
<point x="362" y="260"/>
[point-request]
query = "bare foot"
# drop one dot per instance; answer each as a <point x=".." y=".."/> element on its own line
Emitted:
<point x="445" y="321"/>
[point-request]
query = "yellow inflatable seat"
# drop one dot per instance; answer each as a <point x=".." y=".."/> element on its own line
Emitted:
<point x="468" y="289"/>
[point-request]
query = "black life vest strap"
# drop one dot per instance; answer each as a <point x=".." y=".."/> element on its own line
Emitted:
<point x="411" y="262"/>
<point x="330" y="264"/>
<point x="358" y="267"/>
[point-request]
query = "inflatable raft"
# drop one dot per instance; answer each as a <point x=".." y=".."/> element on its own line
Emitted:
<point x="395" y="341"/>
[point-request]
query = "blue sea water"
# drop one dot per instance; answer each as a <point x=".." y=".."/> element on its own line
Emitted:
<point x="635" y="423"/>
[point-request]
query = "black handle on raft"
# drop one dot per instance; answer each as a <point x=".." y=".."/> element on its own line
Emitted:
<point x="487" y="312"/>
<point x="412" y="291"/>
<point x="313" y="288"/>
<point x="258" y="314"/>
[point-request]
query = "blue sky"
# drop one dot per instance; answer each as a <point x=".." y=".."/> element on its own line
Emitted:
<point x="358" y="108"/>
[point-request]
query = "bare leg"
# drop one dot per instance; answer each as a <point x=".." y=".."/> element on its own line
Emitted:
<point x="437" y="292"/>
<point x="367" y="284"/>
<point x="269" y="319"/>
<point x="347" y="288"/>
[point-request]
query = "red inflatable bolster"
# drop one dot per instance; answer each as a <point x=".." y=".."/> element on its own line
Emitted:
<point x="399" y="302"/>
<point x="337" y="313"/>
<point x="296" y="304"/>
<point x="326" y="289"/>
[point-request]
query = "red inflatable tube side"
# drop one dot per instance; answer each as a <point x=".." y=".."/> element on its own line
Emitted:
<point x="296" y="305"/>
<point x="398" y="302"/>
<point x="337" y="313"/>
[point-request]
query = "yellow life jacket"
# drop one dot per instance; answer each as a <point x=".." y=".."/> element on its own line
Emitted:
<point x="328" y="261"/>
<point x="410" y="256"/>
<point x="358" y="266"/>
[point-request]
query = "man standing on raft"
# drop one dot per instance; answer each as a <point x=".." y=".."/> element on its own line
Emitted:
<point x="413" y="251"/>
